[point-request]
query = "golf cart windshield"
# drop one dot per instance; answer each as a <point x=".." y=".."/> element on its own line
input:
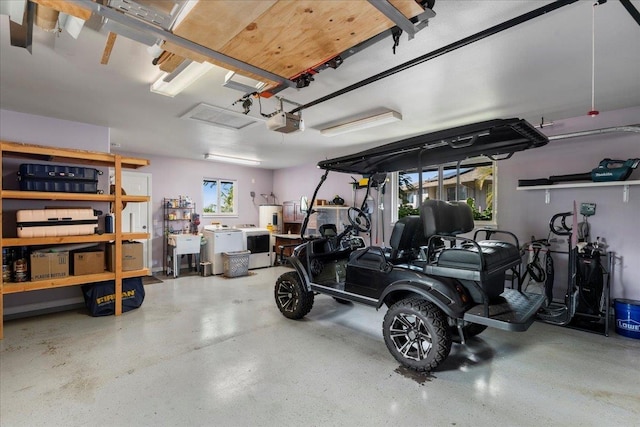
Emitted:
<point x="494" y="139"/>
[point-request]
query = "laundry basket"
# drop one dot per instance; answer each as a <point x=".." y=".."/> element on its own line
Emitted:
<point x="235" y="264"/>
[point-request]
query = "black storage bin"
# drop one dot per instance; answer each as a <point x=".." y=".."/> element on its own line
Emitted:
<point x="100" y="297"/>
<point x="58" y="178"/>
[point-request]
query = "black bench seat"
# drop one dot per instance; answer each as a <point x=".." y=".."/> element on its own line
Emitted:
<point x="483" y="261"/>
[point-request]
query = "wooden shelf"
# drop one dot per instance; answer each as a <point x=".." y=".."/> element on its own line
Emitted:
<point x="547" y="188"/>
<point x="12" y="288"/>
<point x="53" y="154"/>
<point x="43" y="195"/>
<point x="63" y="240"/>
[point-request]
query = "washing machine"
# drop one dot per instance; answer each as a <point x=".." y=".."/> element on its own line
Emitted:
<point x="221" y="240"/>
<point x="258" y="241"/>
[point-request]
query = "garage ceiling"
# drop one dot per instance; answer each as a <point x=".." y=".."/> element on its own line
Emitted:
<point x="541" y="68"/>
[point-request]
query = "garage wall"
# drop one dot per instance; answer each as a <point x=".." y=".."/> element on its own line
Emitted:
<point x="526" y="213"/>
<point x="174" y="177"/>
<point x="27" y="128"/>
<point x="295" y="182"/>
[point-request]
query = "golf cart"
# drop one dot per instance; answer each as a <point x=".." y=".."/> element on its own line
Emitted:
<point x="438" y="286"/>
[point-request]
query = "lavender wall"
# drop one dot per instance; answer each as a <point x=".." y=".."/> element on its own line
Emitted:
<point x="526" y="213"/>
<point x="27" y="128"/>
<point x="295" y="182"/>
<point x="174" y="177"/>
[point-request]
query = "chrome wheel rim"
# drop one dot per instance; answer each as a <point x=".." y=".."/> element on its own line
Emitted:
<point x="287" y="297"/>
<point x="410" y="336"/>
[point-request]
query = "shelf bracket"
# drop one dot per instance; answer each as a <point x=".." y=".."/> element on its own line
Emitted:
<point x="547" y="196"/>
<point x="625" y="193"/>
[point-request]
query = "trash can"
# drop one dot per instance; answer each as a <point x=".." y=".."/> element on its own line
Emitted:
<point x="235" y="264"/>
<point x="206" y="269"/>
<point x="627" y="317"/>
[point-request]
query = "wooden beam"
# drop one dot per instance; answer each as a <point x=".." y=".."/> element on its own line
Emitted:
<point x="66" y="7"/>
<point x="111" y="39"/>
<point x="46" y="18"/>
<point x="171" y="63"/>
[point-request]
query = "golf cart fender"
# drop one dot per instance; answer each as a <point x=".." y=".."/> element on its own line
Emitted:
<point x="301" y="270"/>
<point x="447" y="298"/>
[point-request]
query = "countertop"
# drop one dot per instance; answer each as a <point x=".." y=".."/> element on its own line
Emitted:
<point x="287" y="236"/>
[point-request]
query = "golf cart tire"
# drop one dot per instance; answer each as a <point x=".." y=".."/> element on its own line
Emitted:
<point x="406" y="344"/>
<point x="292" y="298"/>
<point x="470" y="330"/>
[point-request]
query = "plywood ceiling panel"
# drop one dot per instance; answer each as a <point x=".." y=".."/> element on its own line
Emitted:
<point x="65" y="7"/>
<point x="283" y="37"/>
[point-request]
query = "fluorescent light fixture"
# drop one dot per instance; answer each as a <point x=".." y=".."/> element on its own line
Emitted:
<point x="242" y="83"/>
<point x="364" y="123"/>
<point x="171" y="84"/>
<point x="228" y="159"/>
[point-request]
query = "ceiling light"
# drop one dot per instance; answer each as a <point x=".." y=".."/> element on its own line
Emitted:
<point x="228" y="159"/>
<point x="242" y="83"/>
<point x="364" y="123"/>
<point x="171" y="84"/>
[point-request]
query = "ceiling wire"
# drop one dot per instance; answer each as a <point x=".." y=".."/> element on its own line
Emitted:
<point x="593" y="60"/>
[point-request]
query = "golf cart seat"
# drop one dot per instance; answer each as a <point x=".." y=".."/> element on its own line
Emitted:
<point x="406" y="239"/>
<point x="330" y="233"/>
<point x="483" y="261"/>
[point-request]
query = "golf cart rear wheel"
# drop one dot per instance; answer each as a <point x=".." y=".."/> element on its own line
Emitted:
<point x="416" y="333"/>
<point x="470" y="330"/>
<point x="292" y="298"/>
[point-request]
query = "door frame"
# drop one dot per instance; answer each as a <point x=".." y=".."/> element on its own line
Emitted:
<point x="148" y="176"/>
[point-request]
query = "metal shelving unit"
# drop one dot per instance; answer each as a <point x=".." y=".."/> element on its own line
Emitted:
<point x="177" y="212"/>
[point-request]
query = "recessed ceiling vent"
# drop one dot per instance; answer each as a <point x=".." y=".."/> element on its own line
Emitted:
<point x="220" y="117"/>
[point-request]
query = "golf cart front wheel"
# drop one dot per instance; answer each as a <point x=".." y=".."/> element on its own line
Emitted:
<point x="292" y="298"/>
<point x="416" y="333"/>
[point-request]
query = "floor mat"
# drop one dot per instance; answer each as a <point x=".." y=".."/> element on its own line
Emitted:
<point x="150" y="280"/>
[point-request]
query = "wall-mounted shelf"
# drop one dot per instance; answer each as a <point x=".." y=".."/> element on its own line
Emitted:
<point x="547" y="188"/>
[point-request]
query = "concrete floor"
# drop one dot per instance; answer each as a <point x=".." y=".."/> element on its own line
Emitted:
<point x="216" y="352"/>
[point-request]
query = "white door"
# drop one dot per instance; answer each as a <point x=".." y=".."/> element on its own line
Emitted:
<point x="136" y="217"/>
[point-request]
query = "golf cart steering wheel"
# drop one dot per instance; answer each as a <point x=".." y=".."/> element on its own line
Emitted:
<point x="359" y="220"/>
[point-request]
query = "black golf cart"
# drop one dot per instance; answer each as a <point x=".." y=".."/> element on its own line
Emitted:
<point x="438" y="286"/>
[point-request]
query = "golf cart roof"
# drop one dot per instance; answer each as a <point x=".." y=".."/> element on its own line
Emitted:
<point x="501" y="137"/>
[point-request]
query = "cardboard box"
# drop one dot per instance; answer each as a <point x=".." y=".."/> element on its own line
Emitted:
<point x="91" y="262"/>
<point x="49" y="265"/>
<point x="131" y="256"/>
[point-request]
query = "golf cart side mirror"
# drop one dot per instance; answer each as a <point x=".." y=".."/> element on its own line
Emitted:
<point x="304" y="204"/>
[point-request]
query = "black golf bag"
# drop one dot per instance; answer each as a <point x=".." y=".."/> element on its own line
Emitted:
<point x="590" y="283"/>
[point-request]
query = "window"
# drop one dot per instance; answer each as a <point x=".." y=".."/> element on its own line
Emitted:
<point x="476" y="185"/>
<point x="218" y="197"/>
